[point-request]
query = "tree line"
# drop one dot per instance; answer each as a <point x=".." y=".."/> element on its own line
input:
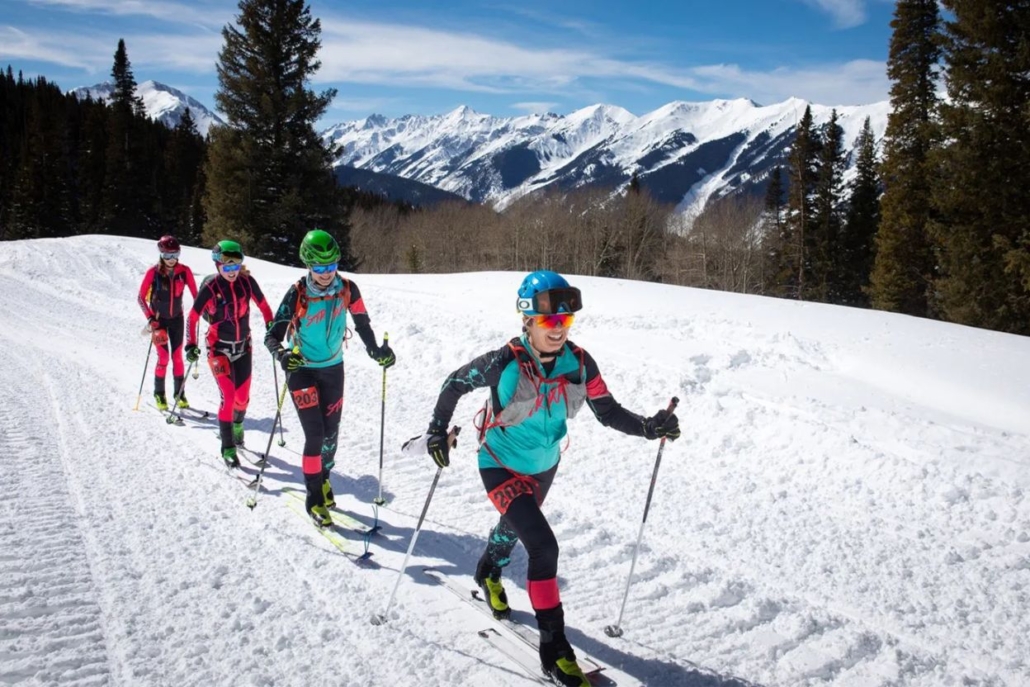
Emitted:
<point x="71" y="166"/>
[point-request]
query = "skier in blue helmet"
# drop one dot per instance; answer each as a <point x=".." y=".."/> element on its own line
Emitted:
<point x="536" y="381"/>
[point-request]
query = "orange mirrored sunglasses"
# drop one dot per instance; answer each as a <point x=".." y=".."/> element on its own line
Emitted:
<point x="563" y="320"/>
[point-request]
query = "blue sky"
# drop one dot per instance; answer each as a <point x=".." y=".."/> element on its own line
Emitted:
<point x="503" y="58"/>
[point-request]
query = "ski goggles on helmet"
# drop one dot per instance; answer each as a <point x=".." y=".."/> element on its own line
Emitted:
<point x="563" y="320"/>
<point x="551" y="302"/>
<point x="229" y="258"/>
<point x="170" y="256"/>
<point x="230" y="267"/>
<point x="323" y="269"/>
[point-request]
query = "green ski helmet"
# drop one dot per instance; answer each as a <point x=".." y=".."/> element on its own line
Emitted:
<point x="319" y="248"/>
<point x="226" y="249"/>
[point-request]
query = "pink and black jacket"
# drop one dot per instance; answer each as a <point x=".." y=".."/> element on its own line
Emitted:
<point x="160" y="294"/>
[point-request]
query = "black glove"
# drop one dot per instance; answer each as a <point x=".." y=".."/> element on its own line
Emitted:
<point x="382" y="355"/>
<point x="438" y="448"/>
<point x="290" y="361"/>
<point x="192" y="352"/>
<point x="662" y="425"/>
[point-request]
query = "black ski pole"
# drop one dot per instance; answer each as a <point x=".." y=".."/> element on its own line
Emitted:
<point x="144" y="379"/>
<point x="275" y="373"/>
<point x="175" y="417"/>
<point x="256" y="484"/>
<point x="379" y="619"/>
<point x="616" y="629"/>
<point x="379" y="500"/>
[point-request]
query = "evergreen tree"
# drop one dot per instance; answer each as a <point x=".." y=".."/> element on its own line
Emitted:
<point x="903" y="265"/>
<point x="124" y="95"/>
<point x="789" y="263"/>
<point x="823" y="240"/>
<point x="981" y="227"/>
<point x="183" y="158"/>
<point x="269" y="175"/>
<point x="773" y="224"/>
<point x="863" y="218"/>
<point x="125" y="175"/>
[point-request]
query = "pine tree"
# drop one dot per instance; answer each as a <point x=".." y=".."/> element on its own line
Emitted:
<point x="981" y="229"/>
<point x="125" y="178"/>
<point x="822" y="242"/>
<point x="863" y="218"/>
<point x="903" y="265"/>
<point x="269" y="175"/>
<point x="789" y="263"/>
<point x="772" y="228"/>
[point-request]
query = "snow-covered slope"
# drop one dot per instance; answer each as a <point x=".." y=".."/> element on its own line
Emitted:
<point x="161" y="102"/>
<point x="847" y="504"/>
<point x="684" y="153"/>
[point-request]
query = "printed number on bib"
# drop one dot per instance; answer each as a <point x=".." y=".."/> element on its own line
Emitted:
<point x="504" y="494"/>
<point x="305" y="398"/>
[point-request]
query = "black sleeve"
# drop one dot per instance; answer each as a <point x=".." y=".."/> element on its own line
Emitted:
<point x="484" y="371"/>
<point x="279" y="327"/>
<point x="606" y="409"/>
<point x="362" y="322"/>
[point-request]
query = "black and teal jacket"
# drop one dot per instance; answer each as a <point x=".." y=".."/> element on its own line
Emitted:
<point x="525" y="418"/>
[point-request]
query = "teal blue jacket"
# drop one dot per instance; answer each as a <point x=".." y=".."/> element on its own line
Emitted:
<point x="525" y="418"/>
<point x="315" y="321"/>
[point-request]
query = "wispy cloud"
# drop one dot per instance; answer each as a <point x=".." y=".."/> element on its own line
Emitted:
<point x="537" y="107"/>
<point x="851" y="83"/>
<point x="65" y="49"/>
<point x="209" y="14"/>
<point x="845" y="13"/>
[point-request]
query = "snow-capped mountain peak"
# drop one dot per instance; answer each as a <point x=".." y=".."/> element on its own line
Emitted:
<point x="161" y="102"/>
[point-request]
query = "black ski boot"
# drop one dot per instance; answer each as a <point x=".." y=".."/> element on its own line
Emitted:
<point x="488" y="579"/>
<point x="315" y="501"/>
<point x="557" y="659"/>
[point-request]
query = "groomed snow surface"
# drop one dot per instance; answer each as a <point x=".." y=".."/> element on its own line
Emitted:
<point x="847" y="504"/>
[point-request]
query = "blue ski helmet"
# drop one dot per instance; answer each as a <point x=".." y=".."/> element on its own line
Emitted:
<point x="547" y="293"/>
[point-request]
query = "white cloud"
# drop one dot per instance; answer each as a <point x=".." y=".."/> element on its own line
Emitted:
<point x="845" y="13"/>
<point x="65" y="49"/>
<point x="535" y="107"/>
<point x="209" y="14"/>
<point x="857" y="82"/>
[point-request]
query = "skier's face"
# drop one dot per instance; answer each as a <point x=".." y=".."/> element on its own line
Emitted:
<point x="230" y="271"/>
<point x="325" y="276"/>
<point x="546" y="341"/>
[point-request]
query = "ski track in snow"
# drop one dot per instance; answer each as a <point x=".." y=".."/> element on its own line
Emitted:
<point x="810" y="527"/>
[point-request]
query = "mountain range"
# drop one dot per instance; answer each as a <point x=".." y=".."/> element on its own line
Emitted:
<point x="161" y="102"/>
<point x="683" y="153"/>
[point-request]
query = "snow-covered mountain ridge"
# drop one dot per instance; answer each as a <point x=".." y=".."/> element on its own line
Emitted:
<point x="161" y="102"/>
<point x="683" y="152"/>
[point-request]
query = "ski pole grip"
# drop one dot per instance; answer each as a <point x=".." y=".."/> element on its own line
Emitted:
<point x="673" y="403"/>
<point x="452" y="436"/>
<point x="386" y="337"/>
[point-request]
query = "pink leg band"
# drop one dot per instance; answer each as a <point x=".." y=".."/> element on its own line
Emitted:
<point x="311" y="465"/>
<point x="543" y="594"/>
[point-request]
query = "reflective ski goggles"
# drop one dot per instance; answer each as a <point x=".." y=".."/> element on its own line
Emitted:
<point x="323" y="269"/>
<point x="563" y="320"/>
<point x="230" y="267"/>
<point x="551" y="302"/>
<point x="170" y="256"/>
